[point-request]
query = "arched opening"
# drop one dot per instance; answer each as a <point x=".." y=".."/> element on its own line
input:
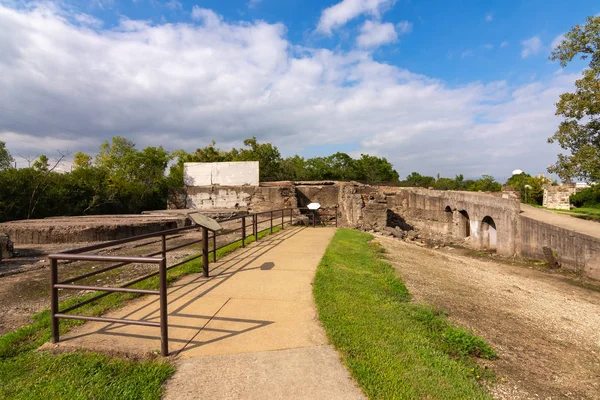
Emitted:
<point x="464" y="224"/>
<point x="488" y="232"/>
<point x="448" y="213"/>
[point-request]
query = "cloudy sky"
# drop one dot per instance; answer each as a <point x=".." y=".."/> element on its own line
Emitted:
<point x="434" y="86"/>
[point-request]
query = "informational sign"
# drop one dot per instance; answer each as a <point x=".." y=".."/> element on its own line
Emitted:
<point x="206" y="222"/>
<point x="313" y="206"/>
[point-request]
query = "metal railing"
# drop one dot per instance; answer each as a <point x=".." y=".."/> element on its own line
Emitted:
<point x="278" y="217"/>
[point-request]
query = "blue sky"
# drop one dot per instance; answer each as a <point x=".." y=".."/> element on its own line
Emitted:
<point x="434" y="86"/>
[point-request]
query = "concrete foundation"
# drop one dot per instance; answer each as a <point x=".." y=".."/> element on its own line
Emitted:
<point x="87" y="229"/>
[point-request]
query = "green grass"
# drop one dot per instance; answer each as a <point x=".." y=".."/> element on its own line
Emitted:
<point x="396" y="349"/>
<point x="26" y="373"/>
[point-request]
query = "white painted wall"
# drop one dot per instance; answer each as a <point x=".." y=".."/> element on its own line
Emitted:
<point x="243" y="173"/>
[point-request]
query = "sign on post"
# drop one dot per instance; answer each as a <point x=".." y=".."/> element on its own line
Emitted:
<point x="313" y="206"/>
<point x="205" y="222"/>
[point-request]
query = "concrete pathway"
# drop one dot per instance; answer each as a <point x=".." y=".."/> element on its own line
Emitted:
<point x="565" y="221"/>
<point x="249" y="331"/>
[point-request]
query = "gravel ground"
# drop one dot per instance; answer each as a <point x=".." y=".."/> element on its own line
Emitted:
<point x="545" y="327"/>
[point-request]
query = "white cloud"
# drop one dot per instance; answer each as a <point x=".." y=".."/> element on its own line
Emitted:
<point x="208" y="17"/>
<point x="489" y="17"/>
<point x="254" y="3"/>
<point x="557" y="40"/>
<point x="466" y="53"/>
<point x="68" y="87"/>
<point x="373" y="34"/>
<point x="174" y="5"/>
<point x="531" y="46"/>
<point x="404" y="27"/>
<point x="504" y="44"/>
<point x="488" y="46"/>
<point x="88" y="20"/>
<point x="339" y="14"/>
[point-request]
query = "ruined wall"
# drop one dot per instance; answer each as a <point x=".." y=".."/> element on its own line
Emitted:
<point x="86" y="229"/>
<point x="361" y="206"/>
<point x="486" y="221"/>
<point x="557" y="197"/>
<point x="251" y="198"/>
<point x="573" y="250"/>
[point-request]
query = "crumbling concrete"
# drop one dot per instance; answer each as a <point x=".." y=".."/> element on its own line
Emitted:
<point x="558" y="196"/>
<point x="250" y="198"/>
<point x="6" y="247"/>
<point x="88" y="228"/>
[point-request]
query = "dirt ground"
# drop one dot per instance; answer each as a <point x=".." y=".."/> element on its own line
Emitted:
<point x="545" y="327"/>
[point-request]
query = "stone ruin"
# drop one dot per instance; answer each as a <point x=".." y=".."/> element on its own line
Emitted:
<point x="6" y="247"/>
<point x="558" y="196"/>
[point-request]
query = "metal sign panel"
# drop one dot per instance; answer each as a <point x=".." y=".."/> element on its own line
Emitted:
<point x="204" y="221"/>
<point x="313" y="206"/>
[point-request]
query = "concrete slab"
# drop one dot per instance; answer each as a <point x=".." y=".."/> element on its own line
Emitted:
<point x="253" y="325"/>
<point x="304" y="373"/>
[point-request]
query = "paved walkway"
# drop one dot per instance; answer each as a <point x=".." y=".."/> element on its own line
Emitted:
<point x="565" y="221"/>
<point x="249" y="331"/>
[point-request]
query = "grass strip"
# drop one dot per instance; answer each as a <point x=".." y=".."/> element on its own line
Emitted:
<point x="29" y="374"/>
<point x="396" y="349"/>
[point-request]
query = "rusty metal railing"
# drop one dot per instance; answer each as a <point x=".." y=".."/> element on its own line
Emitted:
<point x="278" y="217"/>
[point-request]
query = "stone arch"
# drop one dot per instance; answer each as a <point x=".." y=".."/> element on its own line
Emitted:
<point x="488" y="232"/>
<point x="464" y="224"/>
<point x="449" y="214"/>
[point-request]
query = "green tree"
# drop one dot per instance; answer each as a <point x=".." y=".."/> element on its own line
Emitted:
<point x="81" y="160"/>
<point x="6" y="159"/>
<point x="530" y="187"/>
<point x="417" y="180"/>
<point x="42" y="163"/>
<point x="486" y="183"/>
<point x="294" y="168"/>
<point x="579" y="133"/>
<point x="266" y="154"/>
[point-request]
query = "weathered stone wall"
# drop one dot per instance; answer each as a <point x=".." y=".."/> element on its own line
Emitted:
<point x="573" y="250"/>
<point x="324" y="193"/>
<point x="87" y="229"/>
<point x="487" y="221"/>
<point x="251" y="198"/>
<point x="6" y="246"/>
<point x="557" y="197"/>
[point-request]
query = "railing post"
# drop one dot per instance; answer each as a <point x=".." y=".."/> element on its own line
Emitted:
<point x="164" y="246"/>
<point x="54" y="300"/>
<point x="336" y="216"/>
<point x="164" y="327"/>
<point x="291" y="217"/>
<point x="205" y="252"/>
<point x="256" y="227"/>
<point x="243" y="231"/>
<point x="214" y="236"/>
<point x="271" y="222"/>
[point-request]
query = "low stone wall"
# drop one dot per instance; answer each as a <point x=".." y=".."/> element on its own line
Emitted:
<point x="573" y="250"/>
<point x="87" y="229"/>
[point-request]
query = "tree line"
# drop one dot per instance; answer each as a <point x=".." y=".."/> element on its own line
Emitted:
<point x="122" y="179"/>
